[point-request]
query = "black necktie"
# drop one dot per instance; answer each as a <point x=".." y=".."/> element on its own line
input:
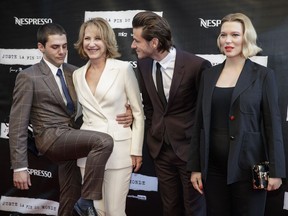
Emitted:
<point x="70" y="105"/>
<point x="159" y="83"/>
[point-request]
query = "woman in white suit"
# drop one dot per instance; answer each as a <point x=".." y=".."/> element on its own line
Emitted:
<point x="104" y="86"/>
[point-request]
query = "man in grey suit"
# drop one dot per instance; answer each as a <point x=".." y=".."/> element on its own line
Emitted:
<point x="169" y="109"/>
<point x="48" y="100"/>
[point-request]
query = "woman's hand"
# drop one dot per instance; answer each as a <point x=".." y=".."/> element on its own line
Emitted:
<point x="196" y="180"/>
<point x="136" y="162"/>
<point x="274" y="184"/>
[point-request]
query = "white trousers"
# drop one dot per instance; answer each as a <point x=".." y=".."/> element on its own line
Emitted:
<point x="115" y="189"/>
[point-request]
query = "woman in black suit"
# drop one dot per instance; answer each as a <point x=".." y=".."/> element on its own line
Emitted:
<point x="237" y="125"/>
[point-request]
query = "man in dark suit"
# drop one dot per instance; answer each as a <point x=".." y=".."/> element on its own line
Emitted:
<point x="48" y="100"/>
<point x="170" y="114"/>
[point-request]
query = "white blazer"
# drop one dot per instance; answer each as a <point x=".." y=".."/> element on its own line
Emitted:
<point x="117" y="86"/>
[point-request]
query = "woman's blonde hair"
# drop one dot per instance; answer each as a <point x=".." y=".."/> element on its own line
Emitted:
<point x="250" y="47"/>
<point x="106" y="34"/>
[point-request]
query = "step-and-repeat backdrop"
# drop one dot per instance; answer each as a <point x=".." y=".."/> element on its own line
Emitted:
<point x="195" y="26"/>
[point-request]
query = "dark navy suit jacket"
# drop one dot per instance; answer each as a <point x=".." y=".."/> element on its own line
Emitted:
<point x="254" y="123"/>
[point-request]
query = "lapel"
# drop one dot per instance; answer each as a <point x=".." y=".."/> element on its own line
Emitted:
<point x="107" y="79"/>
<point x="146" y="70"/>
<point x="69" y="83"/>
<point x="179" y="71"/>
<point x="245" y="79"/>
<point x="50" y="81"/>
<point x="210" y="78"/>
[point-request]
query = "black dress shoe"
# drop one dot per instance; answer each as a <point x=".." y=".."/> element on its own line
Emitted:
<point x="78" y="211"/>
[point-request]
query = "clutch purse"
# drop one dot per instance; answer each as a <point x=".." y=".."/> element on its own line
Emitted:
<point x="260" y="174"/>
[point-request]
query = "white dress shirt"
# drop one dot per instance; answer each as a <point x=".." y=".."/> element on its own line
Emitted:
<point x="167" y="69"/>
<point x="54" y="70"/>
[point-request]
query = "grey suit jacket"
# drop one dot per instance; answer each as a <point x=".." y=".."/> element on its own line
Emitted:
<point x="254" y="124"/>
<point x="37" y="98"/>
<point x="178" y="116"/>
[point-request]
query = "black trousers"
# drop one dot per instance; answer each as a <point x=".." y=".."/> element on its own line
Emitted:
<point x="237" y="199"/>
<point x="178" y="196"/>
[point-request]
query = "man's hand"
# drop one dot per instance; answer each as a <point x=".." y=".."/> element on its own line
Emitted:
<point x="136" y="162"/>
<point x="125" y="118"/>
<point x="22" y="180"/>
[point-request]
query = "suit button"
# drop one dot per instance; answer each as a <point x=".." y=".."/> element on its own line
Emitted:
<point x="232" y="137"/>
<point x="232" y="117"/>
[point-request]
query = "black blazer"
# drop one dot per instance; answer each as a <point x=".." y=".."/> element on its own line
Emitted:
<point x="178" y="116"/>
<point x="254" y="123"/>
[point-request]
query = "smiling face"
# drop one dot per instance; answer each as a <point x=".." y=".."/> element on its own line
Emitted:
<point x="142" y="47"/>
<point x="231" y="39"/>
<point x="93" y="44"/>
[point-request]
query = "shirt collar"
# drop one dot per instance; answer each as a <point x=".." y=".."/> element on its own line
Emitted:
<point x="170" y="57"/>
<point x="52" y="67"/>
